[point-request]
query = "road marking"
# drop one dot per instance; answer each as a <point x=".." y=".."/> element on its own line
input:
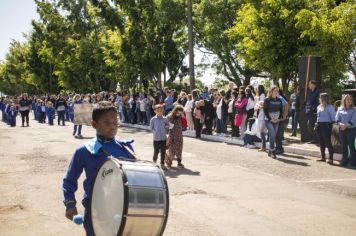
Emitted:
<point x="327" y="180"/>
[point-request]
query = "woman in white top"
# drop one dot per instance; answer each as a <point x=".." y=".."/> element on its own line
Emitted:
<point x="188" y="110"/>
<point x="250" y="108"/>
<point x="143" y="102"/>
<point x="260" y="95"/>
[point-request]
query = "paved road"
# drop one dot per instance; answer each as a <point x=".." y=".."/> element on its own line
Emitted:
<point x="225" y="189"/>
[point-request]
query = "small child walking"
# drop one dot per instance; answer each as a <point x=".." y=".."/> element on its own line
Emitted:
<point x="12" y="115"/>
<point x="159" y="125"/>
<point x="50" y="113"/>
<point x="175" y="136"/>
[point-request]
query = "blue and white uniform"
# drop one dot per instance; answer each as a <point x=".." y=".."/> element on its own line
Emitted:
<point x="89" y="157"/>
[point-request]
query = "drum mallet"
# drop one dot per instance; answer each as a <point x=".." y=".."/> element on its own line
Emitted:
<point x="78" y="219"/>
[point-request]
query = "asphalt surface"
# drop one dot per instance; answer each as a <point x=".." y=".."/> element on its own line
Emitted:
<point x="224" y="189"/>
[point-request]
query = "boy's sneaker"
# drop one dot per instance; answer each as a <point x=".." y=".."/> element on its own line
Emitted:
<point x="163" y="167"/>
<point x="180" y="165"/>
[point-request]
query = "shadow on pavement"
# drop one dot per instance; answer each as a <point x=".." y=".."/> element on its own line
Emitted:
<point x="86" y="138"/>
<point x="293" y="156"/>
<point x="174" y="172"/>
<point x="291" y="162"/>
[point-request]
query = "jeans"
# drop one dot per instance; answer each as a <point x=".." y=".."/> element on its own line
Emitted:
<point x="251" y="139"/>
<point x="61" y="117"/>
<point x="42" y="118"/>
<point x="324" y="133"/>
<point x="272" y="133"/>
<point x="263" y="138"/>
<point x="280" y="134"/>
<point x="148" y="116"/>
<point x="295" y="121"/>
<point x="126" y="115"/>
<point x="220" y="126"/>
<point x="347" y="139"/>
<point x="77" y="128"/>
<point x="311" y="119"/>
<point x="159" y="146"/>
<point x="292" y="115"/>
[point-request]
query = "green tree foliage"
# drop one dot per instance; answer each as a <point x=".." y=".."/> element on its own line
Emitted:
<point x="15" y="76"/>
<point x="272" y="34"/>
<point x="212" y="20"/>
<point x="267" y="38"/>
<point x="331" y="28"/>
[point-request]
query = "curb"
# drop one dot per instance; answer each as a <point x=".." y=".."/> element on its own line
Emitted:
<point x="288" y="149"/>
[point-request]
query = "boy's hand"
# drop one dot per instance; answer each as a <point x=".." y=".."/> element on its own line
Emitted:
<point x="70" y="213"/>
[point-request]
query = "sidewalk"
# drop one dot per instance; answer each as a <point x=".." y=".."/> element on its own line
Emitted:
<point x="292" y="147"/>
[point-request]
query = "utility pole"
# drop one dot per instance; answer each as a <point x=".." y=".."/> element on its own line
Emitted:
<point x="191" y="45"/>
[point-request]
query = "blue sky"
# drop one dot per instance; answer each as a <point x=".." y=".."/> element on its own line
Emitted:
<point x="15" y="19"/>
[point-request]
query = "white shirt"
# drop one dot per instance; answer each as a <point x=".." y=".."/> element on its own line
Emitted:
<point x="231" y="106"/>
<point x="219" y="110"/>
<point x="250" y="104"/>
<point x="293" y="98"/>
<point x="143" y="103"/>
<point x="189" y="106"/>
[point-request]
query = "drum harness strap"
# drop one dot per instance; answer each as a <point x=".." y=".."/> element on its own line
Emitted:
<point x="108" y="155"/>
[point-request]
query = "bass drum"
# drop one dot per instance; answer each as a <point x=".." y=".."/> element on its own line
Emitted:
<point x="129" y="198"/>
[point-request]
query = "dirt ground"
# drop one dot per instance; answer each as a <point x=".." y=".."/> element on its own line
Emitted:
<point x="225" y="189"/>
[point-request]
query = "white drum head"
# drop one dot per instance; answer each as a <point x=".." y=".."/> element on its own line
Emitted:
<point x="107" y="202"/>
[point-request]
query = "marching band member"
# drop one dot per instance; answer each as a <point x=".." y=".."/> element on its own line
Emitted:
<point x="90" y="156"/>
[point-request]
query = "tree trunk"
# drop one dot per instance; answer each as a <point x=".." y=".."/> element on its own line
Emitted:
<point x="247" y="81"/>
<point x="159" y="80"/>
<point x="284" y="85"/>
<point x="165" y="76"/>
<point x="50" y="79"/>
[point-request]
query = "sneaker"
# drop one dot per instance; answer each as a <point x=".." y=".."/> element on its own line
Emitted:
<point x="330" y="162"/>
<point x="262" y="150"/>
<point x="180" y="165"/>
<point x="80" y="136"/>
<point x="163" y="167"/>
<point x="76" y="136"/>
<point x="321" y="159"/>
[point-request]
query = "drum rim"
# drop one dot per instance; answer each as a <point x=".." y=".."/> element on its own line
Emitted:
<point x="126" y="193"/>
<point x="167" y="200"/>
<point x="126" y="197"/>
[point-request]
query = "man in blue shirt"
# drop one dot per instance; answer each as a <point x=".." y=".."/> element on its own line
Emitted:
<point x="90" y="156"/>
<point x="311" y="106"/>
<point x="168" y="102"/>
